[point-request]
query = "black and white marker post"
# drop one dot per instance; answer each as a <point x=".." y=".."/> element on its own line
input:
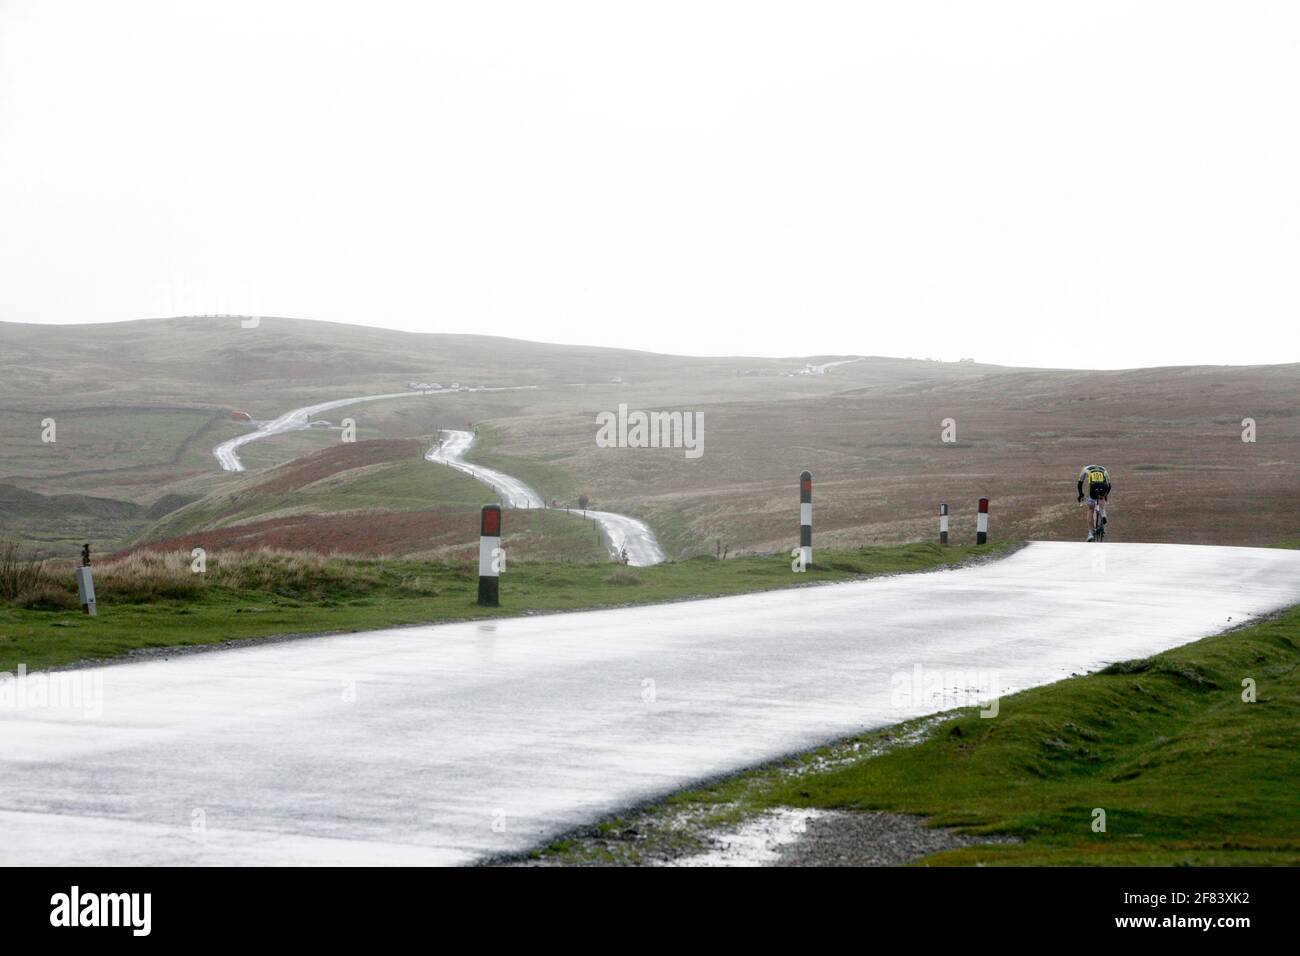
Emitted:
<point x="943" y="524"/>
<point x="489" y="550"/>
<point x="86" y="583"/>
<point x="805" y="518"/>
<point x="982" y="523"/>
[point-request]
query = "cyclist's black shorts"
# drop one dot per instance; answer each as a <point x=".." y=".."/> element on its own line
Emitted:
<point x="1098" y="490"/>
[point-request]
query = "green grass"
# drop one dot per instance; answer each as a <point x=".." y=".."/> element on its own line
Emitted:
<point x="98" y="439"/>
<point x="548" y="480"/>
<point x="399" y="486"/>
<point x="1185" y="770"/>
<point x="250" y="599"/>
<point x="42" y="541"/>
<point x="540" y="536"/>
<point x="267" y="453"/>
<point x="413" y="485"/>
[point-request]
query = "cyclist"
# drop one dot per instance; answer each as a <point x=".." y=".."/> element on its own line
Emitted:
<point x="1094" y="482"/>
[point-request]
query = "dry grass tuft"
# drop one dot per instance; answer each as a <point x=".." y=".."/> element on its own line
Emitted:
<point x="19" y="574"/>
<point x="147" y="576"/>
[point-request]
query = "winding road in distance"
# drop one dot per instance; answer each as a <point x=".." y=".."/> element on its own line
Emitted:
<point x="621" y="532"/>
<point x="292" y="421"/>
<point x="514" y="493"/>
<point x="299" y="419"/>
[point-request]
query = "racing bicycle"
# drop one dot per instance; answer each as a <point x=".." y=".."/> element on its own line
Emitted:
<point x="1098" y="506"/>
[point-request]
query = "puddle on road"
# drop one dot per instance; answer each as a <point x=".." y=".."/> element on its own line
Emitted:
<point x="756" y="842"/>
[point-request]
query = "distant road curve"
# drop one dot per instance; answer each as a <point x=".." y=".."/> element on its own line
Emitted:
<point x="227" y="453"/>
<point x="624" y="532"/>
<point x="514" y="493"/>
<point x="821" y="369"/>
<point x="621" y="532"/>
<point x="292" y="421"/>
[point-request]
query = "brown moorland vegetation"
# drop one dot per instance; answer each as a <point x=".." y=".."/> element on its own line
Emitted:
<point x="1172" y="439"/>
<point x="870" y="432"/>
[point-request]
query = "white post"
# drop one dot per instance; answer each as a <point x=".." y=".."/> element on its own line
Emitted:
<point x="805" y="518"/>
<point x="86" y="584"/>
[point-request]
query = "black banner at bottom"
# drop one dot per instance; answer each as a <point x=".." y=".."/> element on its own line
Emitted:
<point x="335" y="905"/>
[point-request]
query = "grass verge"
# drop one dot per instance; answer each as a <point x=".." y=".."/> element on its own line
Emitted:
<point x="1187" y="771"/>
<point x="155" y="601"/>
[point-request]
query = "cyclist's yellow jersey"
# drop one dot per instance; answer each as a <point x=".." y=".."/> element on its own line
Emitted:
<point x="1094" y="475"/>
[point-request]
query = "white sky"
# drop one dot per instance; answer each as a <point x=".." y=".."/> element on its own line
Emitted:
<point x="899" y="178"/>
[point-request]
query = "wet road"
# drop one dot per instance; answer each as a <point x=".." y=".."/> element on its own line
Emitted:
<point x="227" y="453"/>
<point x="514" y="493"/>
<point x="628" y="535"/>
<point x="451" y="743"/>
<point x="621" y="532"/>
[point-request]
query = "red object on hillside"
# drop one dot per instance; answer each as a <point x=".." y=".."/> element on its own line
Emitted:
<point x="239" y="416"/>
<point x="583" y="501"/>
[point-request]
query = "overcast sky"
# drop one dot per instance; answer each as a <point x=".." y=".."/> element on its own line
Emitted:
<point x="992" y="180"/>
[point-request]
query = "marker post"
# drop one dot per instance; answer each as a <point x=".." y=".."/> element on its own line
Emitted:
<point x="489" y="562"/>
<point x="805" y="518"/>
<point x="86" y="583"/>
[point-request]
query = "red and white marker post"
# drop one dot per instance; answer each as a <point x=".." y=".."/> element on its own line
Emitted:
<point x="943" y="524"/>
<point x="489" y="557"/>
<point x="805" y="518"/>
<point x="982" y="523"/>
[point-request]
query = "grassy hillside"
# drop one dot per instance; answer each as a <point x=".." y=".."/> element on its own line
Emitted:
<point x="1170" y="437"/>
<point x="376" y="498"/>
<point x="140" y="405"/>
<point x="281" y="362"/>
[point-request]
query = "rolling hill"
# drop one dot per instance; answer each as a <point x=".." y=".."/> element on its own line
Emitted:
<point x="140" y="405"/>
